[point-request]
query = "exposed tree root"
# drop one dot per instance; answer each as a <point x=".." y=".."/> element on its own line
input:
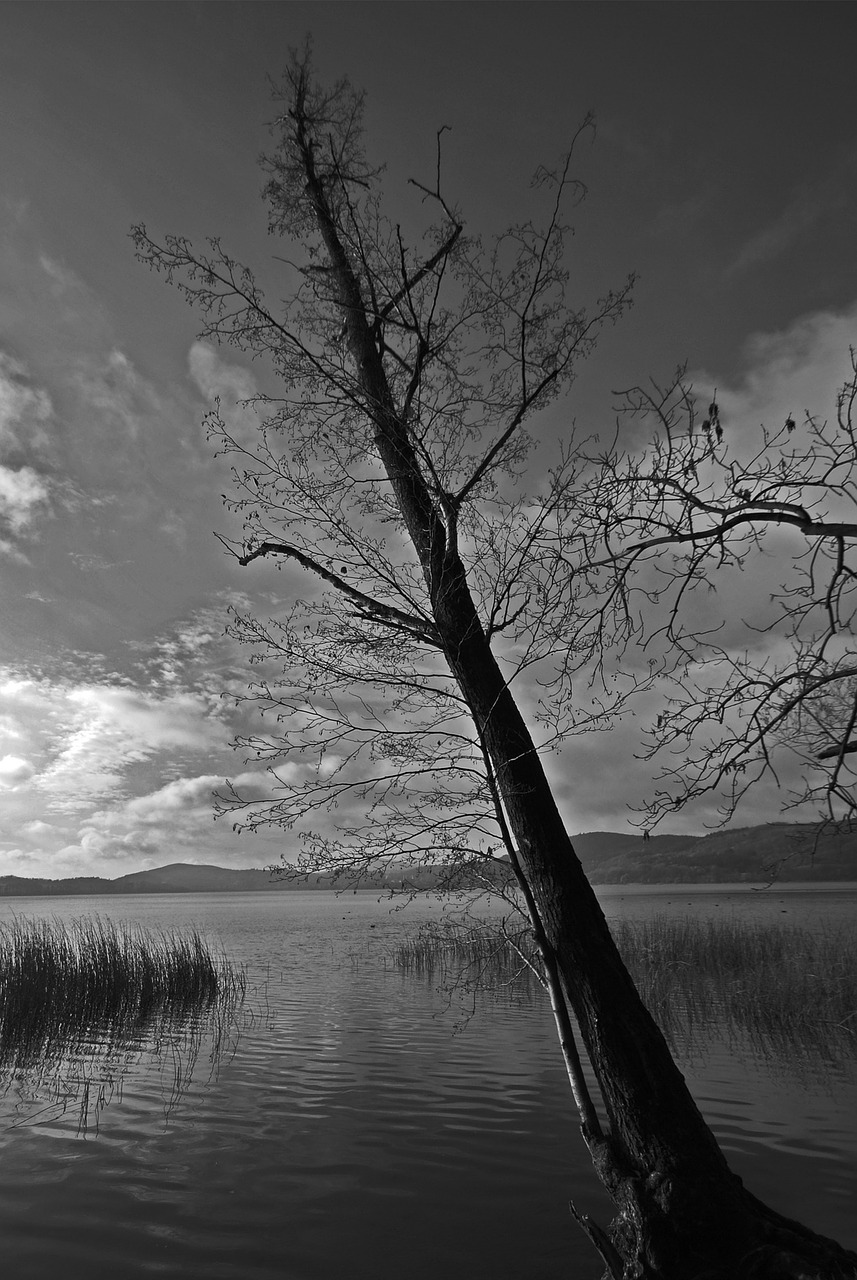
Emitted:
<point x="725" y="1235"/>
<point x="602" y="1243"/>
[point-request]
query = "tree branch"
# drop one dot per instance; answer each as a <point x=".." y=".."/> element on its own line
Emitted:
<point x="375" y="610"/>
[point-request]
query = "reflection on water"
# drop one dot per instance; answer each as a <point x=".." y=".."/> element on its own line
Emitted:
<point x="70" y="1091"/>
<point x="87" y="1002"/>
<point x="353" y="1132"/>
<point x="781" y="992"/>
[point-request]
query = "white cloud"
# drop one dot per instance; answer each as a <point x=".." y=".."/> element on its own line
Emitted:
<point x="796" y="371"/>
<point x="63" y="279"/>
<point x="789" y="373"/>
<point x="107" y="730"/>
<point x="81" y="754"/>
<point x="231" y="384"/>
<point x="24" y="410"/>
<point x="86" y="740"/>
<point x="38" y="828"/>
<point x="22" y="492"/>
<point x="99" y="776"/>
<point x="599" y="776"/>
<point x="113" y="389"/>
<point x="183" y="796"/>
<point x="14" y="770"/>
<point x="154" y="825"/>
<point x="215" y="377"/>
<point x="800" y="368"/>
<point x="169" y="823"/>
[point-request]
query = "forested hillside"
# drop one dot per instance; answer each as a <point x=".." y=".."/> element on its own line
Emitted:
<point x="780" y="850"/>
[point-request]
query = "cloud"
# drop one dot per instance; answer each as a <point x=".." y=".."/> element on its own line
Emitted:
<point x="793" y="372"/>
<point x="58" y="298"/>
<point x="800" y="368"/>
<point x="25" y="410"/>
<point x="785" y="374"/>
<point x="109" y="730"/>
<point x="133" y="450"/>
<point x="193" y="654"/>
<point x="101" y="767"/>
<point x="25" y="413"/>
<point x="807" y="206"/>
<point x="231" y="384"/>
<point x="13" y="770"/>
<point x="113" y="389"/>
<point x="38" y="828"/>
<point x="176" y="814"/>
<point x="215" y="377"/>
<point x="63" y="280"/>
<point x="599" y="776"/>
<point x="22" y="491"/>
<point x="802" y="212"/>
<point x="172" y="822"/>
<point x="185" y="797"/>
<point x="93" y="432"/>
<point x="87" y="742"/>
<point x="98" y="426"/>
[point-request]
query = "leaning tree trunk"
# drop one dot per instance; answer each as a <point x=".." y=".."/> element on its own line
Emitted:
<point x="682" y="1213"/>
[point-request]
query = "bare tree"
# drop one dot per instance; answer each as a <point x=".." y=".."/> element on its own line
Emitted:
<point x="681" y="519"/>
<point x="392" y="469"/>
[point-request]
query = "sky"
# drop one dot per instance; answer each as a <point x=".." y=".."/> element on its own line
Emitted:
<point x="723" y="172"/>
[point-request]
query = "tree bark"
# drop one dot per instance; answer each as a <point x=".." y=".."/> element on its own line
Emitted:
<point x="682" y="1212"/>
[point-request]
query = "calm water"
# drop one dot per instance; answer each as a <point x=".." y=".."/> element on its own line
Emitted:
<point x="354" y="1128"/>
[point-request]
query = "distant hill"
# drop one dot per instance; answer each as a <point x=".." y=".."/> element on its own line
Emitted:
<point x="791" y="851"/>
<point x="178" y="877"/>
<point x="192" y="877"/>
<point x="788" y="851"/>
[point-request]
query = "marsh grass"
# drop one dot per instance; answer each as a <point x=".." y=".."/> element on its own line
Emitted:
<point x="790" y="992"/>
<point x="487" y="954"/>
<point x="82" y="1002"/>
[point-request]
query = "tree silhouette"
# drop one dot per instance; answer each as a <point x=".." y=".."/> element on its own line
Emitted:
<point x="415" y="691"/>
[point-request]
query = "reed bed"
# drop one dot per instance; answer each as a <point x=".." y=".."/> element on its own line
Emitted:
<point x="97" y="985"/>
<point x="785" y="988"/>
<point x="790" y="991"/>
<point x="480" y="953"/>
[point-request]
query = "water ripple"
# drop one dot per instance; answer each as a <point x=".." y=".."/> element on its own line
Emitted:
<point x="351" y="1130"/>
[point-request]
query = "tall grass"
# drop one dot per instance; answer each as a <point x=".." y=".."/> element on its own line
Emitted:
<point x="790" y="991"/>
<point x="95" y="983"/>
<point x="785" y="988"/>
<point x="480" y="953"/>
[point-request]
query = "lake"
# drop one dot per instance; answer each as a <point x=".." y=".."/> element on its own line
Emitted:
<point x="360" y="1123"/>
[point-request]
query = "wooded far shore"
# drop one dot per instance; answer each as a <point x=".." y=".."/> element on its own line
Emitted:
<point x="780" y="851"/>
